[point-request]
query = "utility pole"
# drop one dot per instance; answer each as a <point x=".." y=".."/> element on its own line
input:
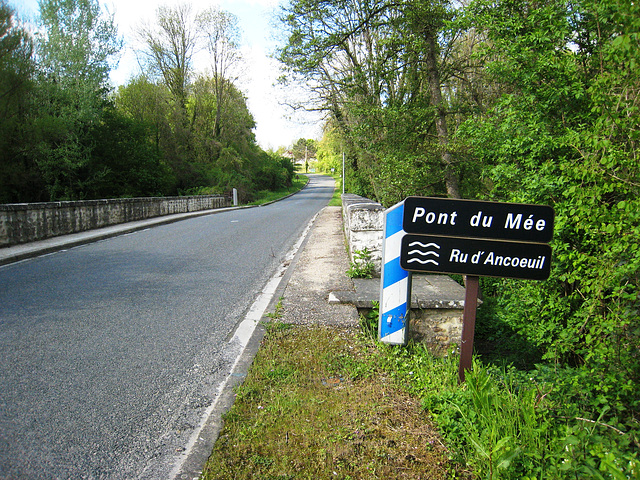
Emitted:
<point x="343" y="173"/>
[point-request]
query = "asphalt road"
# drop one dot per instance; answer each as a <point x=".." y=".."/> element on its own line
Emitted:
<point x="111" y="352"/>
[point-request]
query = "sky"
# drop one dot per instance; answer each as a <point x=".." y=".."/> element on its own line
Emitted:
<point x="276" y="124"/>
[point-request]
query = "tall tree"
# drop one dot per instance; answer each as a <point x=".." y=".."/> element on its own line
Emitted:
<point x="221" y="38"/>
<point x="75" y="52"/>
<point x="16" y="62"/>
<point x="329" y="48"/>
<point x="170" y="48"/>
<point x="80" y="42"/>
<point x="17" y="175"/>
<point x="148" y="103"/>
<point x="379" y="68"/>
<point x="425" y="24"/>
<point x="304" y="149"/>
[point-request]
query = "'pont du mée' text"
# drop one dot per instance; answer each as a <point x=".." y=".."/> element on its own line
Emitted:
<point x="513" y="221"/>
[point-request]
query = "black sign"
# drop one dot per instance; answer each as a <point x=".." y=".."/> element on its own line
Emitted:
<point x="475" y="219"/>
<point x="470" y="256"/>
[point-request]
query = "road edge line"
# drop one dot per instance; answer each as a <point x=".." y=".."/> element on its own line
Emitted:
<point x="252" y="331"/>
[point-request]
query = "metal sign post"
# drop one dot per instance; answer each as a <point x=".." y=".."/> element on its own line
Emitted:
<point x="468" y="325"/>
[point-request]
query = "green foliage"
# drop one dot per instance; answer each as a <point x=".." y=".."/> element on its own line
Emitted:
<point x="566" y="135"/>
<point x="63" y="136"/>
<point x="78" y="44"/>
<point x="380" y="77"/>
<point x="17" y="180"/>
<point x="139" y="173"/>
<point x="277" y="312"/>
<point x="304" y="149"/>
<point x="504" y="423"/>
<point x="67" y="106"/>
<point x="362" y="266"/>
<point x="329" y="153"/>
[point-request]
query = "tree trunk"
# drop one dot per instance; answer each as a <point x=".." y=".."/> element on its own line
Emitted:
<point x="452" y="181"/>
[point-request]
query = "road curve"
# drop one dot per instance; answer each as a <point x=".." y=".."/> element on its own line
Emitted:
<point x="111" y="352"/>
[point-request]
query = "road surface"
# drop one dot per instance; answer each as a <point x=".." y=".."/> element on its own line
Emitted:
<point x="110" y="353"/>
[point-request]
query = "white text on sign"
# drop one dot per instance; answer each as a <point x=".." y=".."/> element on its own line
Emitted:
<point x="478" y="219"/>
<point x="514" y="221"/>
<point x="493" y="259"/>
<point x="470" y="256"/>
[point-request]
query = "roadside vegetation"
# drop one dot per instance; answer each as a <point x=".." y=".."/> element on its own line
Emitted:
<point x="330" y="402"/>
<point x="508" y="423"/>
<point x="526" y="102"/>
<point x="316" y="404"/>
<point x="66" y="134"/>
<point x="266" y="196"/>
<point x="336" y="200"/>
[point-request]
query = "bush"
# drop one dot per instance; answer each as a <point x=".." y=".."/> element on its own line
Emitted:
<point x="547" y="423"/>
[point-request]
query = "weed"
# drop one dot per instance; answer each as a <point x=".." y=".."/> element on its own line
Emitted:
<point x="369" y="322"/>
<point x="509" y="424"/>
<point x="280" y="374"/>
<point x="321" y="403"/>
<point x="266" y="196"/>
<point x="336" y="200"/>
<point x="362" y="266"/>
<point x="277" y="313"/>
<point x="260" y="460"/>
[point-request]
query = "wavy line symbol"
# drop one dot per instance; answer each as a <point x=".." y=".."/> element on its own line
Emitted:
<point x="423" y="262"/>
<point x="420" y="252"/>
<point x="427" y="253"/>
<point x="423" y="245"/>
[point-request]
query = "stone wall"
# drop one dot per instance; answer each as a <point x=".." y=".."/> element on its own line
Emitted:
<point x="439" y="330"/>
<point x="363" y="221"/>
<point x="28" y="222"/>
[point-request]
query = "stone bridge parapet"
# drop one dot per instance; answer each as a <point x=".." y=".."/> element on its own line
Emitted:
<point x="363" y="221"/>
<point x="437" y="301"/>
<point x="29" y="222"/>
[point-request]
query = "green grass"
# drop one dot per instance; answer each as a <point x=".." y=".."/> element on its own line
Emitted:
<point x="504" y="423"/>
<point x="316" y="405"/>
<point x="336" y="200"/>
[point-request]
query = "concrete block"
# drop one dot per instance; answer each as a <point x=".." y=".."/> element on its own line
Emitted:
<point x="363" y="219"/>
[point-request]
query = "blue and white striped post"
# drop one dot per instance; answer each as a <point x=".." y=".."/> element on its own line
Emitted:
<point x="395" y="285"/>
